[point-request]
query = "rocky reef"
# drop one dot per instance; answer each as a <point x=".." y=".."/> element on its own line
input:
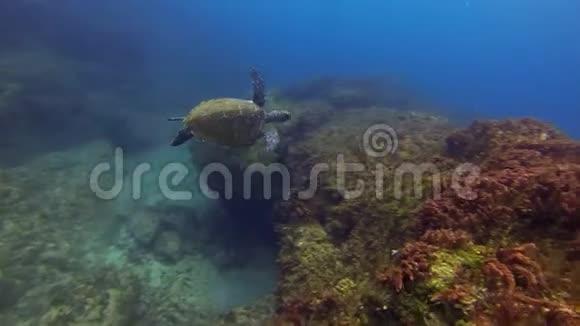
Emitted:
<point x="68" y="257"/>
<point x="491" y="239"/>
<point x="44" y="277"/>
<point x="395" y="216"/>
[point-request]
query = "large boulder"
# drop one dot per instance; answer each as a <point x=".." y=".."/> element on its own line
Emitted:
<point x="144" y="227"/>
<point x="168" y="246"/>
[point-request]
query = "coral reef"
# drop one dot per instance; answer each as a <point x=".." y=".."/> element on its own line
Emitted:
<point x="533" y="184"/>
<point x="70" y="258"/>
<point x="105" y="298"/>
<point x="331" y="245"/>
<point x="474" y="250"/>
<point x="527" y="191"/>
<point x="42" y="264"/>
<point x="477" y="141"/>
<point x="497" y="248"/>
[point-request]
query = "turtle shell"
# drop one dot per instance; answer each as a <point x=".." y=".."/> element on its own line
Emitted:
<point x="227" y="121"/>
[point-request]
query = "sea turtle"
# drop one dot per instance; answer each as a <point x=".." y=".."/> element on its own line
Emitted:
<point x="232" y="122"/>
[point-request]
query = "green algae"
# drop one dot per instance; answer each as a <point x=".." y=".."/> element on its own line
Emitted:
<point x="447" y="263"/>
<point x="345" y="287"/>
<point x="419" y="305"/>
<point x="314" y="256"/>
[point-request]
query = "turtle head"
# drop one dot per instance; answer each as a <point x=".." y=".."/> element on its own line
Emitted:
<point x="278" y="116"/>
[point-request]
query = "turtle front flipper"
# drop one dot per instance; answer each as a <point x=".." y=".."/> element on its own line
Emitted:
<point x="182" y="136"/>
<point x="259" y="89"/>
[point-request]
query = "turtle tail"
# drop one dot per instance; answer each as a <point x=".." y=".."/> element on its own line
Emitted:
<point x="182" y="136"/>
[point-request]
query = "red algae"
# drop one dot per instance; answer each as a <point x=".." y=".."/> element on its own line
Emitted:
<point x="528" y="190"/>
<point x="479" y="259"/>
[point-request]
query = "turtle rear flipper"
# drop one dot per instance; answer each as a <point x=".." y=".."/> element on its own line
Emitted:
<point x="182" y="136"/>
<point x="272" y="138"/>
<point x="259" y="89"/>
<point x="277" y="116"/>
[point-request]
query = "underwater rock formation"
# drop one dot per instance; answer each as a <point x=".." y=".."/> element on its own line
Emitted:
<point x="524" y="202"/>
<point x="105" y="298"/>
<point x="504" y="252"/>
<point x="332" y="246"/>
<point x="44" y="275"/>
<point x="494" y="255"/>
<point x="168" y="246"/>
<point x="354" y="93"/>
<point x="529" y="179"/>
<point x="145" y="228"/>
<point x="165" y="230"/>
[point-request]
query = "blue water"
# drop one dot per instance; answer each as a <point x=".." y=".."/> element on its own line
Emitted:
<point x="499" y="58"/>
<point x="496" y="58"/>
